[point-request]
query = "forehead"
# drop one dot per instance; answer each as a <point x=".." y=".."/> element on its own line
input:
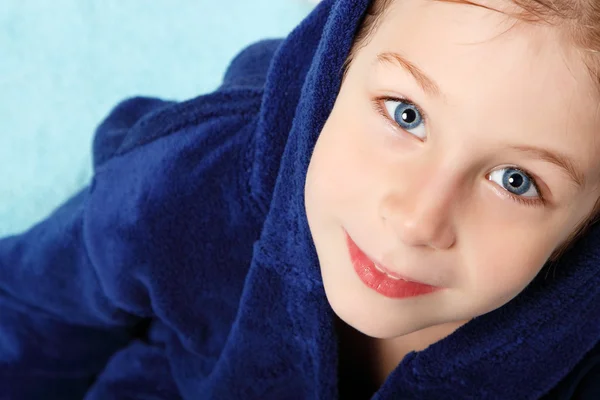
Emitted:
<point x="518" y="81"/>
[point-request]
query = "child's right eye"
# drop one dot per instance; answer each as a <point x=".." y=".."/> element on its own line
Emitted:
<point x="407" y="115"/>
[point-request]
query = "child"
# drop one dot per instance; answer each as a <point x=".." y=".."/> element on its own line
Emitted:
<point x="215" y="255"/>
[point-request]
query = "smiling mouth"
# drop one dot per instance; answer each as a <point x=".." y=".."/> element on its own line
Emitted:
<point x="380" y="279"/>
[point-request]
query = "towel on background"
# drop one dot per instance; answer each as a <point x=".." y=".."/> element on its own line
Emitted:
<point x="65" y="63"/>
<point x="186" y="268"/>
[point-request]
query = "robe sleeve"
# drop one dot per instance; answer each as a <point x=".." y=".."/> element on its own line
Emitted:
<point x="58" y="324"/>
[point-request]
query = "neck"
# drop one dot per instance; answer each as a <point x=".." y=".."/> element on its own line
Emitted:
<point x="372" y="360"/>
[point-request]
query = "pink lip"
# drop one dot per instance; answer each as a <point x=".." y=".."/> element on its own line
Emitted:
<point x="380" y="281"/>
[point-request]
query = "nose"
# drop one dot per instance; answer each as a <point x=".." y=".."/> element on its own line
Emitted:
<point x="422" y="214"/>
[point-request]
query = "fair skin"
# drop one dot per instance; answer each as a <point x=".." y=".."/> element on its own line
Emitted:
<point x="431" y="200"/>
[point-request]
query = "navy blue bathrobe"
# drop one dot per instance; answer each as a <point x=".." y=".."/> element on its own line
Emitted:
<point x="186" y="268"/>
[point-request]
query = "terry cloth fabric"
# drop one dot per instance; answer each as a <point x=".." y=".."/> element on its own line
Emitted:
<point x="186" y="269"/>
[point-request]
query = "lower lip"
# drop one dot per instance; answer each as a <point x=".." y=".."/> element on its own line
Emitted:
<point x="380" y="281"/>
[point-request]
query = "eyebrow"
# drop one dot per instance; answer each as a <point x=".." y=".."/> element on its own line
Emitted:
<point x="426" y="83"/>
<point x="560" y="160"/>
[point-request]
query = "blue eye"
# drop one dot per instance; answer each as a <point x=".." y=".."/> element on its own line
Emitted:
<point x="515" y="181"/>
<point x="407" y="116"/>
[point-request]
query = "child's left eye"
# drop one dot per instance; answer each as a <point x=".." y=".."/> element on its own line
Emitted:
<point x="515" y="181"/>
<point x="407" y="116"/>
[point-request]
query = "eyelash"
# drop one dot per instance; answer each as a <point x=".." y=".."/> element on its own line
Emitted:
<point x="380" y="108"/>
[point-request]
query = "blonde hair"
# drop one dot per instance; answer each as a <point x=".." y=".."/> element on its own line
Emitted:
<point x="579" y="20"/>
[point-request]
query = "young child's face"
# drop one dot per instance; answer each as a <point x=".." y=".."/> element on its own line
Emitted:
<point x="449" y="192"/>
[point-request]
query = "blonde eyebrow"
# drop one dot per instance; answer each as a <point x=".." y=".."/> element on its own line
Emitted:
<point x="428" y="84"/>
<point x="560" y="160"/>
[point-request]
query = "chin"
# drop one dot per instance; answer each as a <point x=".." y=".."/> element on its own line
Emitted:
<point x="383" y="332"/>
<point x="360" y="315"/>
<point x="380" y="330"/>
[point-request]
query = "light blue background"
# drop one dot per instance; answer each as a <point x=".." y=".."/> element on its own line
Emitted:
<point x="65" y="63"/>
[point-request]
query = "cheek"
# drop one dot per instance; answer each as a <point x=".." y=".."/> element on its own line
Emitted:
<point x="502" y="245"/>
<point x="501" y="263"/>
<point x="344" y="167"/>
